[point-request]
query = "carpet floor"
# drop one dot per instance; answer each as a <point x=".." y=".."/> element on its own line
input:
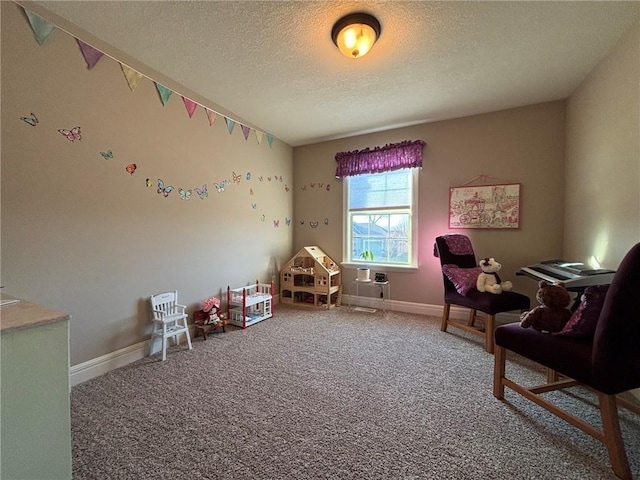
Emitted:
<point x="331" y="395"/>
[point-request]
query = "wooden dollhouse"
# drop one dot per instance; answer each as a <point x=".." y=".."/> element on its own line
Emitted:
<point x="311" y="279"/>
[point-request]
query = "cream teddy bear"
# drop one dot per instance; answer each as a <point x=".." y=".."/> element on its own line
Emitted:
<point x="489" y="280"/>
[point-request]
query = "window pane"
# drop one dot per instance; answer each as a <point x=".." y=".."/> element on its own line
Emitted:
<point x="391" y="189"/>
<point x="385" y="235"/>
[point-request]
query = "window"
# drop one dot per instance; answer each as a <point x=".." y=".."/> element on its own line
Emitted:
<point x="381" y="217"/>
<point x="381" y="203"/>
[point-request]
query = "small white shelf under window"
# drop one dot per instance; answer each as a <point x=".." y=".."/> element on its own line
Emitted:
<point x="384" y="296"/>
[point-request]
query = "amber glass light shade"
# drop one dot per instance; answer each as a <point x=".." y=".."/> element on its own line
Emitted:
<point x="355" y="34"/>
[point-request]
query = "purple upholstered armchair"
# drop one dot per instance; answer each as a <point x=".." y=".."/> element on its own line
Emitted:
<point x="608" y="362"/>
<point x="460" y="271"/>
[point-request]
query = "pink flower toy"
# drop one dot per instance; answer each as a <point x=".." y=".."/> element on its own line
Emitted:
<point x="211" y="306"/>
<point x="209" y="303"/>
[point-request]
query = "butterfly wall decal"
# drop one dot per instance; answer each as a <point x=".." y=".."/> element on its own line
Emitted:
<point x="326" y="221"/>
<point x="314" y="224"/>
<point x="262" y="218"/>
<point x="301" y="222"/>
<point x="313" y="184"/>
<point x="268" y="179"/>
<point x="261" y="178"/>
<point x="328" y="187"/>
<point x="248" y="175"/>
<point x="251" y="191"/>
<point x="72" y="135"/>
<point x="162" y="190"/>
<point x="148" y="182"/>
<point x="320" y="185"/>
<point x="276" y="223"/>
<point x="107" y="155"/>
<point x="202" y="192"/>
<point x="236" y="178"/>
<point x="30" y="120"/>
<point x="287" y="220"/>
<point x="286" y="188"/>
<point x="219" y="187"/>
<point x="254" y="205"/>
<point x="184" y="194"/>
<point x="303" y="187"/>
<point x="131" y="168"/>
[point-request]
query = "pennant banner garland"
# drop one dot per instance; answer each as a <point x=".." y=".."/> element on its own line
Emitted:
<point x="131" y="75"/>
<point x="164" y="92"/>
<point x="211" y="115"/>
<point x="42" y="30"/>
<point x="230" y="124"/>
<point x="90" y="54"/>
<point x="245" y="131"/>
<point x="190" y="105"/>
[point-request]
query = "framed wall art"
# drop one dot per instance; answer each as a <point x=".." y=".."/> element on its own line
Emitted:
<point x="485" y="206"/>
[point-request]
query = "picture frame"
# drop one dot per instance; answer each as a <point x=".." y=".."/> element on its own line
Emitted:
<point x="485" y="206"/>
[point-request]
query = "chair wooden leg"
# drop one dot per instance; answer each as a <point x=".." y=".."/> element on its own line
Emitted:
<point x="499" y="361"/>
<point x="188" y="339"/>
<point x="613" y="436"/>
<point x="472" y="317"/>
<point x="489" y="327"/>
<point x="445" y="317"/>
<point x="552" y="375"/>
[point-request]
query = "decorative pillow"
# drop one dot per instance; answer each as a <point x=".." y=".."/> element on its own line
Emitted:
<point x="584" y="320"/>
<point x="458" y="244"/>
<point x="464" y="279"/>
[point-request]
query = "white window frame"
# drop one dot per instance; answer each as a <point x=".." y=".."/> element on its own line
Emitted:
<point x="412" y="263"/>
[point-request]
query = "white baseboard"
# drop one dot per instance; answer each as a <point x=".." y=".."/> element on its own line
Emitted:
<point x="98" y="366"/>
<point x="101" y="365"/>
<point x="456" y="313"/>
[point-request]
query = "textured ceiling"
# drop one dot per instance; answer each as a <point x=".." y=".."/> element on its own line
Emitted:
<point x="273" y="64"/>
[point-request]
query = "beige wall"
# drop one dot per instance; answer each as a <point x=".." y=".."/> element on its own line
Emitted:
<point x="81" y="235"/>
<point x="602" y="201"/>
<point x="524" y="145"/>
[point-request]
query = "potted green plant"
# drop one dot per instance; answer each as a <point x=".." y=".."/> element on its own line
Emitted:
<point x="363" y="272"/>
<point x="367" y="255"/>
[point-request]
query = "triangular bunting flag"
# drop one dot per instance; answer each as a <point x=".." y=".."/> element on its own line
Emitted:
<point x="270" y="140"/>
<point x="90" y="54"/>
<point x="230" y="124"/>
<point x="41" y="28"/>
<point x="164" y="92"/>
<point x="211" y="115"/>
<point x="190" y="104"/>
<point x="245" y="131"/>
<point x="131" y="75"/>
<point x="259" y="136"/>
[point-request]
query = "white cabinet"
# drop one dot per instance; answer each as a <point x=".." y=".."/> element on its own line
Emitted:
<point x="36" y="417"/>
<point x="250" y="304"/>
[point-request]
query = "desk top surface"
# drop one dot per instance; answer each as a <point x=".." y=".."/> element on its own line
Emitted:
<point x="18" y="314"/>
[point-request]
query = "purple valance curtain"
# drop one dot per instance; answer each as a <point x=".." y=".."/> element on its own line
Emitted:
<point x="394" y="156"/>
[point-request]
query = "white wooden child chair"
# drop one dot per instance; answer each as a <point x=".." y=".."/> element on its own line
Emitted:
<point x="169" y="319"/>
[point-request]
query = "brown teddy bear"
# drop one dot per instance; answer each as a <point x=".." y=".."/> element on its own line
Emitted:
<point x="552" y="314"/>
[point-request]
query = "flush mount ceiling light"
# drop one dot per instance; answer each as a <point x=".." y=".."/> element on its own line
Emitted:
<point x="355" y="34"/>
